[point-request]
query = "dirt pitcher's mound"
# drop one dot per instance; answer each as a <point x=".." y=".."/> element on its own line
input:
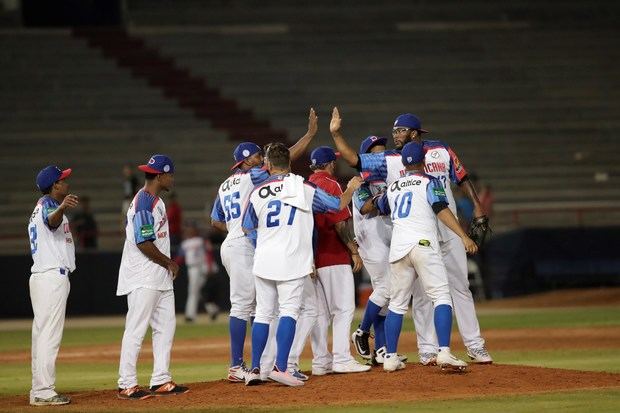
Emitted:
<point x="414" y="383"/>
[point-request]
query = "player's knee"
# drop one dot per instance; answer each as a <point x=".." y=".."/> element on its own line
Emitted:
<point x="380" y="296"/>
<point x="242" y="312"/>
<point x="397" y="309"/>
<point x="290" y="312"/>
<point x="440" y="295"/>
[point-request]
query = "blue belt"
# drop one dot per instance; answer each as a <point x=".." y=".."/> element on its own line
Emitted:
<point x="64" y="271"/>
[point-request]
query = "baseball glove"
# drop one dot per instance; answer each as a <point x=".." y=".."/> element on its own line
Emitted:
<point x="479" y="229"/>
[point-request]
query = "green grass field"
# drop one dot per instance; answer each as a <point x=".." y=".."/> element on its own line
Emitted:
<point x="15" y="375"/>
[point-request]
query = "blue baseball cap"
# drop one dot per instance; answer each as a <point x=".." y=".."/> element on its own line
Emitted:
<point x="371" y="141"/>
<point x="409" y="120"/>
<point x="49" y="175"/>
<point x="243" y="151"/>
<point x="158" y="164"/>
<point x="322" y="155"/>
<point x="412" y="153"/>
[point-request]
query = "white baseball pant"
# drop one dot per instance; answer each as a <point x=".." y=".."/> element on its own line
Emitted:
<point x="306" y="322"/>
<point x="338" y="307"/>
<point x="426" y="264"/>
<point x="48" y="292"/>
<point x="147" y="307"/>
<point x="196" y="278"/>
<point x="455" y="260"/>
<point x="238" y="259"/>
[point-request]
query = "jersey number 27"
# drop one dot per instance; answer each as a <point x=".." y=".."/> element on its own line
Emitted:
<point x="273" y="217"/>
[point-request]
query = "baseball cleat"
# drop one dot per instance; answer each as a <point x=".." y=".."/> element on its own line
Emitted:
<point x="168" y="389"/>
<point x="379" y="356"/>
<point x="52" y="401"/>
<point x="360" y="340"/>
<point x="252" y="377"/>
<point x="236" y="374"/>
<point x="284" y="377"/>
<point x="321" y="371"/>
<point x="351" y="366"/>
<point x="298" y="374"/>
<point x="428" y="359"/>
<point x="133" y="393"/>
<point x="447" y="362"/>
<point x="479" y="355"/>
<point x="392" y="362"/>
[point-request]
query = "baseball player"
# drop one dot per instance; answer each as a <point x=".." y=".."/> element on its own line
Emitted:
<point x="334" y="287"/>
<point x="442" y="163"/>
<point x="373" y="233"/>
<point x="53" y="256"/>
<point x="195" y="257"/>
<point x="280" y="211"/>
<point x="412" y="202"/>
<point x="145" y="277"/>
<point x="237" y="251"/>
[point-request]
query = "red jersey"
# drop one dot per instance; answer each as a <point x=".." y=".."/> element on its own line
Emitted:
<point x="330" y="249"/>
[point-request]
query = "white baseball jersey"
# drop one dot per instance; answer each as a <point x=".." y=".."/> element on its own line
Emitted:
<point x="281" y="211"/>
<point x="146" y="221"/>
<point x="51" y="248"/>
<point x="410" y="201"/>
<point x="194" y="252"/>
<point x="370" y="228"/>
<point x="232" y="196"/>
<point x="440" y="162"/>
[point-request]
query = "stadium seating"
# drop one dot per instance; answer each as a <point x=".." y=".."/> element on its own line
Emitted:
<point x="526" y="92"/>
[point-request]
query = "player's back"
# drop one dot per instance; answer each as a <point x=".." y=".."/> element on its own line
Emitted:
<point x="410" y="204"/>
<point x="370" y="228"/>
<point x="233" y="195"/>
<point x="284" y="224"/>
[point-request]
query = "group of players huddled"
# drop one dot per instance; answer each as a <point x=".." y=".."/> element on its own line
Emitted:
<point x="291" y="242"/>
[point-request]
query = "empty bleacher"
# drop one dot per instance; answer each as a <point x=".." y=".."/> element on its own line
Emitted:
<point x="526" y="93"/>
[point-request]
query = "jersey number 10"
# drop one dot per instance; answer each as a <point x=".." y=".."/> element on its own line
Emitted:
<point x="402" y="206"/>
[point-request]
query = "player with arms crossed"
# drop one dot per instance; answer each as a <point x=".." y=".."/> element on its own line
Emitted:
<point x="237" y="250"/>
<point x="53" y="256"/>
<point x="412" y="202"/>
<point x="281" y="211"/>
<point x="442" y="163"/>
<point x="145" y="277"/>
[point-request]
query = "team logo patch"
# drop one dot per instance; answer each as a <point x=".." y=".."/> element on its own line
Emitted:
<point x="409" y="158"/>
<point x="49" y="210"/>
<point x="424" y="243"/>
<point x="439" y="192"/>
<point x="151" y="161"/>
<point x="166" y="168"/>
<point x="246" y="153"/>
<point x="435" y="154"/>
<point x="146" y="231"/>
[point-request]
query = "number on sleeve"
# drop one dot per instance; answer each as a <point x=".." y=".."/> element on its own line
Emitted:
<point x="33" y="240"/>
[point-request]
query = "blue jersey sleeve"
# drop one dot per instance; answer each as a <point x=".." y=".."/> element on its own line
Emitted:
<point x="217" y="212"/>
<point x="250" y="220"/>
<point x="48" y="206"/>
<point x="258" y="175"/>
<point x="383" y="205"/>
<point x="373" y="165"/>
<point x="324" y="202"/>
<point x="435" y="192"/>
<point x="143" y="221"/>
<point x="361" y="195"/>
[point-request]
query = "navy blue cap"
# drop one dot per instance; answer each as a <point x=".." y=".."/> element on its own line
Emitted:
<point x="158" y="164"/>
<point x="49" y="175"/>
<point x="412" y="153"/>
<point x="322" y="155"/>
<point x="371" y="141"/>
<point x="409" y="120"/>
<point x="243" y="151"/>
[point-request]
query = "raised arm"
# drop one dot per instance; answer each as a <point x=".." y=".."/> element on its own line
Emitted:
<point x="299" y="148"/>
<point x="346" y="152"/>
